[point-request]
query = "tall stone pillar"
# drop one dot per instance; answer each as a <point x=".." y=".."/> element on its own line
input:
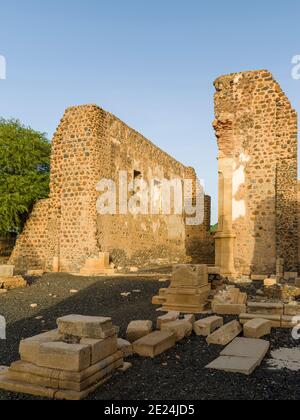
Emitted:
<point x="225" y="237"/>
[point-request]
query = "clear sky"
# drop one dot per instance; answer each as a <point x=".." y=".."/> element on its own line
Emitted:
<point x="152" y="63"/>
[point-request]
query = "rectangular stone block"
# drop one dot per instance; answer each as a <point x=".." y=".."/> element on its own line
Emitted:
<point x="190" y="275"/>
<point x="57" y="383"/>
<point x="247" y="347"/>
<point x="10" y="283"/>
<point x="292" y="309"/>
<point x="242" y="300"/>
<point x="180" y="328"/>
<point x="29" y="348"/>
<point x="257" y="328"/>
<point x="69" y="357"/>
<point x="271" y="282"/>
<point x="265" y="308"/>
<point x="275" y="319"/>
<point x="290" y="321"/>
<point x="125" y="347"/>
<point x="63" y="375"/>
<point x="154" y="344"/>
<point x="225" y="334"/>
<point x="258" y="277"/>
<point x="86" y="326"/>
<point x="100" y="349"/>
<point x="228" y="309"/>
<point x="7" y="270"/>
<point x="205" y="327"/>
<point x="169" y="317"/>
<point x="241" y="356"/>
<point x="138" y="329"/>
<point x="157" y="300"/>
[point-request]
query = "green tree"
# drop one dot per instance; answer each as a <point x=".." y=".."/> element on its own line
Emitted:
<point x="24" y="173"/>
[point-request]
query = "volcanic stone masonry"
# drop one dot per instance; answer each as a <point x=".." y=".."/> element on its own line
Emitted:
<point x="65" y="230"/>
<point x="256" y="129"/>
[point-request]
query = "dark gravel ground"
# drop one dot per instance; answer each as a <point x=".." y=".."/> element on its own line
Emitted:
<point x="179" y="374"/>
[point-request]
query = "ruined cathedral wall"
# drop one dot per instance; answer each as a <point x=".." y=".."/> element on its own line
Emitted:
<point x="149" y="238"/>
<point x="88" y="146"/>
<point x="257" y="127"/>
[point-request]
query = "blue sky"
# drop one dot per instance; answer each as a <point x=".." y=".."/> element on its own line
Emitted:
<point x="151" y="63"/>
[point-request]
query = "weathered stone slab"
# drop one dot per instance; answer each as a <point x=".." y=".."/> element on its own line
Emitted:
<point x="125" y="347"/>
<point x="205" y="327"/>
<point x="225" y="334"/>
<point x="257" y="328"/>
<point x="30" y="347"/>
<point x="138" y="329"/>
<point x="69" y="357"/>
<point x="241" y="356"/>
<point x="292" y="309"/>
<point x="56" y="383"/>
<point x="100" y="349"/>
<point x="275" y="319"/>
<point x="154" y="344"/>
<point x="228" y="309"/>
<point x="180" y="328"/>
<point x="7" y="270"/>
<point x="290" y="321"/>
<point x="157" y="300"/>
<point x="169" y="317"/>
<point x="265" y="308"/>
<point x="86" y="326"/>
<point x="247" y="347"/>
<point x="63" y="375"/>
<point x="242" y="365"/>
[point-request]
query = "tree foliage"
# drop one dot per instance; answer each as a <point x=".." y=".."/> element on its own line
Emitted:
<point x="24" y="173"/>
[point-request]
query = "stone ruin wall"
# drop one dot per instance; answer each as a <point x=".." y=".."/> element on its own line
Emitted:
<point x="89" y="145"/>
<point x="256" y="126"/>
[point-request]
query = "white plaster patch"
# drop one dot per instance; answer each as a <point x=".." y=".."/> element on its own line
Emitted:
<point x="239" y="179"/>
<point x="285" y="358"/>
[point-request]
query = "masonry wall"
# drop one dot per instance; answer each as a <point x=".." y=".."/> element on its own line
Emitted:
<point x="256" y="126"/>
<point x="89" y="145"/>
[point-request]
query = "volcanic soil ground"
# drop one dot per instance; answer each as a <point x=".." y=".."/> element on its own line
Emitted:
<point x="179" y="374"/>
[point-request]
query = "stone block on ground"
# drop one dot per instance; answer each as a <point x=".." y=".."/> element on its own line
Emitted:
<point x="190" y="318"/>
<point x="157" y="300"/>
<point x="30" y="347"/>
<point x="125" y="347"/>
<point x="228" y="309"/>
<point x="290" y="321"/>
<point x="138" y="329"/>
<point x="100" y="349"/>
<point x="35" y="273"/>
<point x="274" y="319"/>
<point x="69" y="357"/>
<point x="9" y="283"/>
<point x="180" y="328"/>
<point x="241" y="356"/>
<point x="225" y="334"/>
<point x="154" y="344"/>
<point x="258" y="277"/>
<point x="64" y="375"/>
<point x="257" y="328"/>
<point x="86" y="326"/>
<point x="265" y="308"/>
<point x="169" y="317"/>
<point x="205" y="327"/>
<point x="292" y="309"/>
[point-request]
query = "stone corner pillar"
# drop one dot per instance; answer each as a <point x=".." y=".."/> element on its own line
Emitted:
<point x="225" y="236"/>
